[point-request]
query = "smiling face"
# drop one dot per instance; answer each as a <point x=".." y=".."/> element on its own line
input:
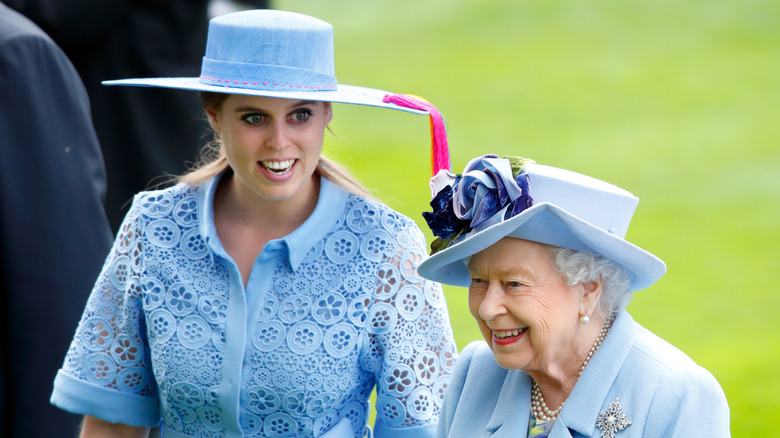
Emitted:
<point x="525" y="310"/>
<point x="273" y="145"/>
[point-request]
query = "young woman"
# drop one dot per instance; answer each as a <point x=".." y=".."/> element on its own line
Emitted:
<point x="265" y="294"/>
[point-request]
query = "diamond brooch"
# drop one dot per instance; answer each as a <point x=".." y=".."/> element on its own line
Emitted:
<point x="612" y="420"/>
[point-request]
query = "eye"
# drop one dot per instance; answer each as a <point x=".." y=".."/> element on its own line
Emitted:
<point x="300" y="115"/>
<point x="478" y="285"/>
<point x="515" y="284"/>
<point x="254" y="118"/>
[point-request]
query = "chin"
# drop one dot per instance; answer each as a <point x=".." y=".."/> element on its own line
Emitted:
<point x="509" y="362"/>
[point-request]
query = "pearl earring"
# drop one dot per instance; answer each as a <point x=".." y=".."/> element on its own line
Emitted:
<point x="584" y="319"/>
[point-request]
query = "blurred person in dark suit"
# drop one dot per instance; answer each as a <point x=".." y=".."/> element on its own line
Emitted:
<point x="145" y="134"/>
<point x="54" y="234"/>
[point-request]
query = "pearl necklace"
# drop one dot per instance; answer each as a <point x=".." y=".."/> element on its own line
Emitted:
<point x="539" y="407"/>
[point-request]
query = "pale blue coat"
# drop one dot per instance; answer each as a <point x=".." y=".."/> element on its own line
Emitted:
<point x="662" y="391"/>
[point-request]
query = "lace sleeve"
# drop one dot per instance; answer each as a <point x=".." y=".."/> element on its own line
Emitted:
<point x="109" y="355"/>
<point x="411" y="336"/>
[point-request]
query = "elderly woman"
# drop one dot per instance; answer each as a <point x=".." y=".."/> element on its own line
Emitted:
<point x="549" y="273"/>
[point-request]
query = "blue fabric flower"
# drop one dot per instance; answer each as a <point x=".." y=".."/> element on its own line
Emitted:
<point x="523" y="201"/>
<point x="487" y="186"/>
<point x="442" y="220"/>
<point x="491" y="190"/>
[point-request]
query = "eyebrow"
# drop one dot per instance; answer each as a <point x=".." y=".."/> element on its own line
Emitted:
<point x="517" y="270"/>
<point x="251" y="108"/>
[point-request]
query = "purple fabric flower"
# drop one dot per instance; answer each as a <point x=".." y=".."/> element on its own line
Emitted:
<point x="442" y="220"/>
<point x="487" y="187"/>
<point x="523" y="201"/>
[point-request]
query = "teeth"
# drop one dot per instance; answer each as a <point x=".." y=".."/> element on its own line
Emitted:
<point x="501" y="334"/>
<point x="278" y="166"/>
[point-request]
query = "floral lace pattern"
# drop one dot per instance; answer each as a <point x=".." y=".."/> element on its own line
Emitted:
<point x="352" y="315"/>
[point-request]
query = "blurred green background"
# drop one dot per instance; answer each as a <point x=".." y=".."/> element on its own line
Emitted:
<point x="675" y="101"/>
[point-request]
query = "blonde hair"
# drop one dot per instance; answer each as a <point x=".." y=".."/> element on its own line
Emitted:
<point x="213" y="161"/>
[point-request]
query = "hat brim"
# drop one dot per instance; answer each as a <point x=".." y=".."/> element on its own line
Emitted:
<point x="549" y="224"/>
<point x="349" y="94"/>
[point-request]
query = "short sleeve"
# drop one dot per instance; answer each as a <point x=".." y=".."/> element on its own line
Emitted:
<point x="689" y="402"/>
<point x="409" y="329"/>
<point x="107" y="371"/>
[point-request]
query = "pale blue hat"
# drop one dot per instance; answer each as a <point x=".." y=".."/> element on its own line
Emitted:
<point x="275" y="54"/>
<point x="513" y="197"/>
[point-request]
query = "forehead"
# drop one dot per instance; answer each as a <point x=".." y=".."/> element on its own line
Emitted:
<point x="267" y="102"/>
<point x="512" y="255"/>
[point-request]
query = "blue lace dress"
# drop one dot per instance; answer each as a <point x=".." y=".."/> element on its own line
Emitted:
<point x="170" y="335"/>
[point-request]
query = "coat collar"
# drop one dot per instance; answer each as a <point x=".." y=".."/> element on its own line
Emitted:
<point x="513" y="408"/>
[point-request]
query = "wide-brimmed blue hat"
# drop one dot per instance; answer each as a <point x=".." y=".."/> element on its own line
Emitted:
<point x="286" y="55"/>
<point x="270" y="53"/>
<point x="514" y="197"/>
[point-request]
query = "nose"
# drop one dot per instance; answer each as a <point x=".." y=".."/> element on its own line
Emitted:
<point x="278" y="137"/>
<point x="492" y="304"/>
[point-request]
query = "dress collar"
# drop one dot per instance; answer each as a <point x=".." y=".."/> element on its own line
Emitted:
<point x="330" y="207"/>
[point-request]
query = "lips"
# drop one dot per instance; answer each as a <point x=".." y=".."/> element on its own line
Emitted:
<point x="506" y="337"/>
<point x="278" y="167"/>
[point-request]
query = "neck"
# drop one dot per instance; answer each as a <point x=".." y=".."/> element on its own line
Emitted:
<point x="245" y="224"/>
<point x="276" y="218"/>
<point x="557" y="381"/>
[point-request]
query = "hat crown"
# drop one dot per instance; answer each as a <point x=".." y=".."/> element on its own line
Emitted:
<point x="269" y="49"/>
<point x="599" y="203"/>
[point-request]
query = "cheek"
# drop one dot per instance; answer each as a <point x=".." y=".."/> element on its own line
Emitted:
<point x="474" y="303"/>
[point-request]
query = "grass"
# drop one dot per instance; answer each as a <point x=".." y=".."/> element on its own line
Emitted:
<point x="674" y="101"/>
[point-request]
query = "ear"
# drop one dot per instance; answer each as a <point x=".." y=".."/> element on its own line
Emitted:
<point x="212" y="114"/>
<point x="591" y="292"/>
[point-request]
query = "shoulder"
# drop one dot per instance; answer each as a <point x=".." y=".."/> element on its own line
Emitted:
<point x="390" y="216"/>
<point x="656" y="360"/>
<point x="475" y="364"/>
<point x="658" y="352"/>
<point x="14" y="25"/>
<point x="477" y="352"/>
<point x="662" y="359"/>
<point x="178" y="203"/>
<point x="20" y="38"/>
<point x="162" y="197"/>
<point x="373" y="215"/>
<point x="681" y="391"/>
<point x="30" y="59"/>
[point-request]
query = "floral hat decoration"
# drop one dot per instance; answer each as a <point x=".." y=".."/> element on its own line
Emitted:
<point x="515" y="197"/>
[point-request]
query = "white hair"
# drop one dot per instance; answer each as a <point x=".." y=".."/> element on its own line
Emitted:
<point x="583" y="266"/>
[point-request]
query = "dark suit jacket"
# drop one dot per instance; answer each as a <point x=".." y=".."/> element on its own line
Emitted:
<point x="144" y="133"/>
<point x="54" y="234"/>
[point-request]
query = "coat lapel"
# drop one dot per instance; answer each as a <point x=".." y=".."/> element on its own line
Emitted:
<point x="590" y="392"/>
<point x="513" y="408"/>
